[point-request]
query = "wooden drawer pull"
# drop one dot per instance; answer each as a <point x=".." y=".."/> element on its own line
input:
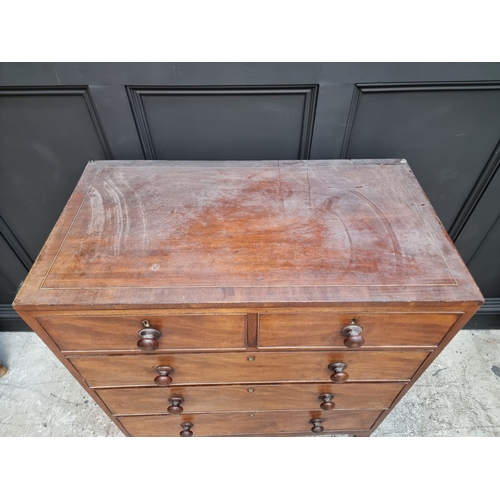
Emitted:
<point x="327" y="403"/>
<point x="176" y="408"/>
<point x="148" y="337"/>
<point x="162" y="379"/>
<point x="317" y="428"/>
<point x="352" y="334"/>
<point x="339" y="376"/>
<point x="186" y="429"/>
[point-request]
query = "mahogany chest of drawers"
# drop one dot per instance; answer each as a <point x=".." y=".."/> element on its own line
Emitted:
<point x="247" y="298"/>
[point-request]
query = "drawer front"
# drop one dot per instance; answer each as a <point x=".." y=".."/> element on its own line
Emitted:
<point x="186" y="331"/>
<point x="379" y="329"/>
<point x="231" y="424"/>
<point x="235" y="367"/>
<point x="202" y="399"/>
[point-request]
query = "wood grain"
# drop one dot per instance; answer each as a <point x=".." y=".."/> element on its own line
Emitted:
<point x="208" y="399"/>
<point x="224" y="424"/>
<point x="325" y="330"/>
<point x="188" y="331"/>
<point x="250" y="270"/>
<point x="227" y="368"/>
<point x="223" y="226"/>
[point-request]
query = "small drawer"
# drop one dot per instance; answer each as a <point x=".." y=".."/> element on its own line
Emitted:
<point x="255" y="367"/>
<point x="202" y="399"/>
<point x="120" y="333"/>
<point x="233" y="424"/>
<point x="377" y="329"/>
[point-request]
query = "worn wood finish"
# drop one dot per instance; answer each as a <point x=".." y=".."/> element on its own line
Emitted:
<point x="242" y="227"/>
<point x="224" y="424"/>
<point x="379" y="330"/>
<point x="253" y="273"/>
<point x="207" y="399"/>
<point x="189" y="331"/>
<point x="249" y="233"/>
<point x="224" y="368"/>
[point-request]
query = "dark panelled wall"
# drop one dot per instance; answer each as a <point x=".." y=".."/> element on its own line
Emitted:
<point x="443" y="118"/>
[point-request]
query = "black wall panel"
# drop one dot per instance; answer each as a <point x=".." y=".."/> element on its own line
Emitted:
<point x="447" y="133"/>
<point x="485" y="263"/>
<point x="479" y="240"/>
<point x="47" y="135"/>
<point x="46" y="138"/>
<point x="12" y="273"/>
<point x="225" y="124"/>
<point x="481" y="216"/>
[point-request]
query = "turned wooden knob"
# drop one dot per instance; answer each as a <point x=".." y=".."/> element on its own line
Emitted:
<point x="339" y="376"/>
<point x="352" y="334"/>
<point x="148" y="338"/>
<point x="186" y="429"/>
<point x="176" y="408"/>
<point x="162" y="379"/>
<point x="317" y="428"/>
<point x="327" y="403"/>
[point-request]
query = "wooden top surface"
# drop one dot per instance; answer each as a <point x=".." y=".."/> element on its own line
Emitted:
<point x="166" y="233"/>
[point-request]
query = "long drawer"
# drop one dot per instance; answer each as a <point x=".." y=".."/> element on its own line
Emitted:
<point x="202" y="399"/>
<point x="236" y="367"/>
<point x="120" y="332"/>
<point x="378" y="329"/>
<point x="223" y="424"/>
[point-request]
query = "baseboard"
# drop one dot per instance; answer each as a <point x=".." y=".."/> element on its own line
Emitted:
<point x="10" y="321"/>
<point x="487" y="318"/>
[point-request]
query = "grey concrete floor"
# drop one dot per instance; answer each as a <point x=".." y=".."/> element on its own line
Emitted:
<point x="459" y="395"/>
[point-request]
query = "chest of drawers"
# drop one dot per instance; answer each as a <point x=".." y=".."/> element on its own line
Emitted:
<point x="247" y="298"/>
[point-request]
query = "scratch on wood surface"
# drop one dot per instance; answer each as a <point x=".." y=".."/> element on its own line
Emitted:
<point x="383" y="218"/>
<point x="113" y="220"/>
<point x="139" y="205"/>
<point x="117" y="213"/>
<point x="213" y="259"/>
<point x="309" y="185"/>
<point x="204" y="224"/>
<point x="318" y="179"/>
<point x="327" y="208"/>
<point x="280" y="186"/>
<point x="96" y="221"/>
<point x="293" y="174"/>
